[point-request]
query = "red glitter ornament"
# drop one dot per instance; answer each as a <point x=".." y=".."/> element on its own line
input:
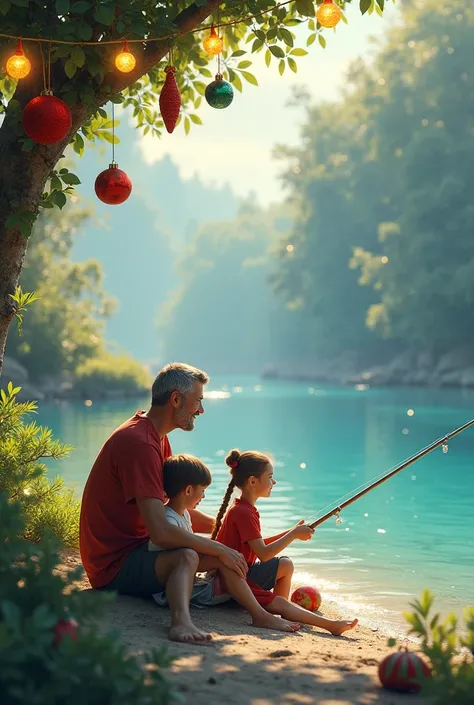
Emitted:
<point x="113" y="186"/>
<point x="170" y="100"/>
<point x="403" y="671"/>
<point x="46" y="119"/>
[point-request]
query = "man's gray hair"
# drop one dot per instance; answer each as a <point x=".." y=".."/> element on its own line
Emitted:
<point x="176" y="377"/>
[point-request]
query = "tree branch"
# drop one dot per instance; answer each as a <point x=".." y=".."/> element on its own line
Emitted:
<point x="186" y="21"/>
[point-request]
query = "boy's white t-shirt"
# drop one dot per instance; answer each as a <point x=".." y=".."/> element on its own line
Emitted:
<point x="184" y="522"/>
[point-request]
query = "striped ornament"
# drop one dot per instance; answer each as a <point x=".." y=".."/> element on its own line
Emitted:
<point x="403" y="671"/>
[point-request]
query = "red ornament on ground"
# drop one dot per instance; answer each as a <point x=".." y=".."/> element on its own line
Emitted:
<point x="403" y="671"/>
<point x="308" y="597"/>
<point x="46" y="119"/>
<point x="113" y="186"/>
<point x="170" y="100"/>
<point x="65" y="627"/>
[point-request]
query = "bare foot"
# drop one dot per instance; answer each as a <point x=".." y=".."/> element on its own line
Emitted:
<point x="343" y="626"/>
<point x="270" y="621"/>
<point x="188" y="633"/>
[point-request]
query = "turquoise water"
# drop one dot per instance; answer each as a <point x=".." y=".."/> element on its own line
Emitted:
<point x="415" y="531"/>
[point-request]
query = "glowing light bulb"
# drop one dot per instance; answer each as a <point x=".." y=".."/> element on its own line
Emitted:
<point x="213" y="44"/>
<point x="329" y="14"/>
<point x="125" y="61"/>
<point x="18" y="66"/>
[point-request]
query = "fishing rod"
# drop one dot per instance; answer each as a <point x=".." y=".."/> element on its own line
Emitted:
<point x="440" y="442"/>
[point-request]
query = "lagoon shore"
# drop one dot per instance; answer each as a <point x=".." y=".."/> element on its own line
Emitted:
<point x="248" y="666"/>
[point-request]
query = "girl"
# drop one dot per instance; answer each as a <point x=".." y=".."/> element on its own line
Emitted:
<point x="269" y="577"/>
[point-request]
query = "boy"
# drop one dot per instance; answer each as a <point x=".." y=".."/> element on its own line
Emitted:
<point x="185" y="479"/>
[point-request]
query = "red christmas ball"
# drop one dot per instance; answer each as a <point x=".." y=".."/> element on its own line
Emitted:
<point x="65" y="627"/>
<point x="113" y="186"/>
<point x="403" y="671"/>
<point x="308" y="597"/>
<point x="170" y="100"/>
<point x="46" y="119"/>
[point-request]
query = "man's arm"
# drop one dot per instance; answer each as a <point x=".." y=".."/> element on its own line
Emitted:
<point x="202" y="523"/>
<point x="167" y="536"/>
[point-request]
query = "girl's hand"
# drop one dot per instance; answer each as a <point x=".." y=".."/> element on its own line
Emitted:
<point x="302" y="531"/>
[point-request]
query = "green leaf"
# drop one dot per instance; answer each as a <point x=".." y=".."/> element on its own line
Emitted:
<point x="244" y="64"/>
<point x="196" y="119"/>
<point x="12" y="221"/>
<point x="250" y="78"/>
<point x="62" y="7"/>
<point x="286" y="36"/>
<point x="305" y="8"/>
<point x="268" y="57"/>
<point x="71" y="179"/>
<point x="237" y="83"/>
<point x="107" y="136"/>
<point x="187" y="125"/>
<point x="381" y="4"/>
<point x="278" y="51"/>
<point x="292" y="64"/>
<point x="322" y="41"/>
<point x="258" y="44"/>
<point x="56" y="184"/>
<point x="239" y="52"/>
<point x="84" y="31"/>
<point x="78" y="144"/>
<point x="281" y="67"/>
<point x="364" y="5"/>
<point x="310" y="39"/>
<point x="70" y="68"/>
<point x="4" y="6"/>
<point x="20" y="3"/>
<point x="78" y="56"/>
<point x="105" y="14"/>
<point x="298" y="52"/>
<point x="78" y="8"/>
<point x="60" y="199"/>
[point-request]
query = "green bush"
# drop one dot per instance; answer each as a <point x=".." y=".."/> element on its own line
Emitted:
<point x="50" y="652"/>
<point x="111" y="375"/>
<point x="45" y="503"/>
<point x="449" y="647"/>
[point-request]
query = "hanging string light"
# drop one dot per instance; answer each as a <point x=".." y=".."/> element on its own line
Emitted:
<point x="213" y="43"/>
<point x="113" y="186"/>
<point x="329" y="14"/>
<point x="18" y="65"/>
<point x="125" y="61"/>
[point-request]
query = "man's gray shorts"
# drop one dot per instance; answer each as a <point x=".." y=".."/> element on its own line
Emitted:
<point x="137" y="576"/>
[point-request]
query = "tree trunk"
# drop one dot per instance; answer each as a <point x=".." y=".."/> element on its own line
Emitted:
<point x="23" y="175"/>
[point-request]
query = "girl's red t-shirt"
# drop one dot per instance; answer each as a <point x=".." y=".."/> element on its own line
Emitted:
<point x="129" y="465"/>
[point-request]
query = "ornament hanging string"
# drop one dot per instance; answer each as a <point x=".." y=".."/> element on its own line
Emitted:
<point x="46" y="79"/>
<point x="342" y="503"/>
<point x="145" y="40"/>
<point x="113" y="133"/>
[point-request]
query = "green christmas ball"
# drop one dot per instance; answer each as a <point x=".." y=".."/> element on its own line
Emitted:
<point x="219" y="93"/>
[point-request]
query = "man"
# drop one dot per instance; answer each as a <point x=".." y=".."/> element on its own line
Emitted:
<point x="123" y="507"/>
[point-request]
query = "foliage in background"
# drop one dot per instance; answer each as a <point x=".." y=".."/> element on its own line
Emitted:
<point x="45" y="504"/>
<point x="113" y="375"/>
<point x="449" y="647"/>
<point x="66" y="326"/>
<point x="224" y="316"/>
<point x="41" y="663"/>
<point x="383" y="239"/>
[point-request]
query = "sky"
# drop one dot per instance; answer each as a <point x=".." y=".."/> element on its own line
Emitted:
<point x="235" y="145"/>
